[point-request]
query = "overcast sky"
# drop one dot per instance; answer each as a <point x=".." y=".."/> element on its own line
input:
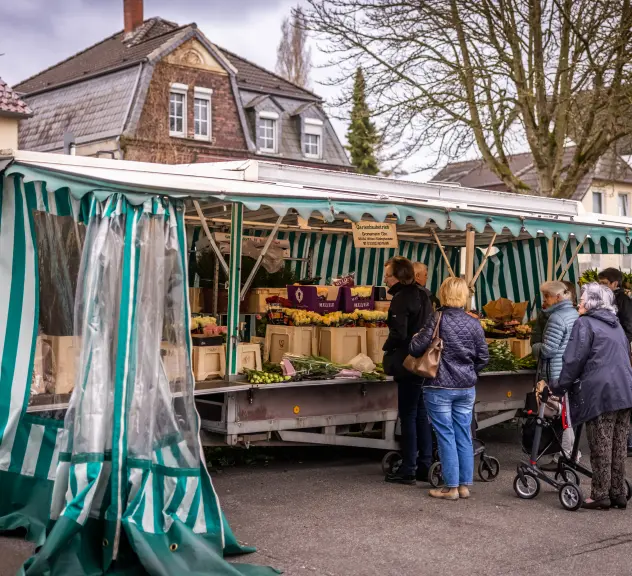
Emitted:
<point x="36" y="34"/>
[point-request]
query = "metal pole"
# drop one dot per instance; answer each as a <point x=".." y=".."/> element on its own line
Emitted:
<point x="470" y="237"/>
<point x="480" y="268"/>
<point x="215" y="247"/>
<point x="234" y="284"/>
<point x="216" y="287"/>
<point x="551" y="258"/>
<point x="447" y="261"/>
<point x="570" y="262"/>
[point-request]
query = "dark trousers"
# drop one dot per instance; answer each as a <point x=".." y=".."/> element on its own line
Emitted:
<point x="607" y="435"/>
<point x="416" y="440"/>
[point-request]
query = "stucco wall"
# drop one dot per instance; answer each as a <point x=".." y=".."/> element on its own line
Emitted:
<point x="8" y="133"/>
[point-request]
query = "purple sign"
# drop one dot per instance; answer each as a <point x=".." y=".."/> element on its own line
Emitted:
<point x="306" y="298"/>
<point x="351" y="303"/>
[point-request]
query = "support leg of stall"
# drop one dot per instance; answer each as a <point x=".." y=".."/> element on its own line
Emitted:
<point x="570" y="262"/>
<point x="447" y="260"/>
<point x="470" y="236"/>
<point x="214" y="245"/>
<point x="550" y="259"/>
<point x="234" y="286"/>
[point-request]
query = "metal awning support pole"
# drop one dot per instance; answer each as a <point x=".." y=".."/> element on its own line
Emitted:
<point x="216" y="287"/>
<point x="443" y="253"/>
<point x="214" y="245"/>
<point x="480" y="268"/>
<point x="550" y="259"/>
<point x="470" y="246"/>
<point x="234" y="283"/>
<point x="264" y="251"/>
<point x="570" y="262"/>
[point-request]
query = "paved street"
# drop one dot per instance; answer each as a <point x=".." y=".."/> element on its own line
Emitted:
<point x="338" y="517"/>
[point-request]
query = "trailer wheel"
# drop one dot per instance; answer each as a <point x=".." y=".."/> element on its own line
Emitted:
<point x="571" y="496"/>
<point x="488" y="469"/>
<point x="435" y="476"/>
<point x="391" y="462"/>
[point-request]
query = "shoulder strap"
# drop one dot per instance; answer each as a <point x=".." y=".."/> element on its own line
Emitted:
<point x="436" y="330"/>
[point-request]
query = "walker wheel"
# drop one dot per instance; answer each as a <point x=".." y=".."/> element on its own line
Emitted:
<point x="567" y="475"/>
<point x="391" y="462"/>
<point x="571" y="496"/>
<point x="629" y="487"/>
<point x="435" y="477"/>
<point x="488" y="469"/>
<point x="528" y="488"/>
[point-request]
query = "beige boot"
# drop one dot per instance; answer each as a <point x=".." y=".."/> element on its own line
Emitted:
<point x="445" y="493"/>
<point x="464" y="492"/>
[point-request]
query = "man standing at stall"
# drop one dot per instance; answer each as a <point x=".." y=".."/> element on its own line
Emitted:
<point x="421" y="277"/>
<point x="613" y="279"/>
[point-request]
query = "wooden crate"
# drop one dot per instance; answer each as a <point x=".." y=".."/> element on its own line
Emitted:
<point x="340" y="345"/>
<point x="42" y="366"/>
<point x="383" y="305"/>
<point x="209" y="362"/>
<point x="196" y="300"/>
<point x="375" y="338"/>
<point x="174" y="365"/>
<point x="301" y="340"/>
<point x="248" y="356"/>
<point x="255" y="300"/>
<point x="520" y="347"/>
<point x="63" y="363"/>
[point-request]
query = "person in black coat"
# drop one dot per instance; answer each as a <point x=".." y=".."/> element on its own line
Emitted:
<point x="409" y="310"/>
<point x="613" y="278"/>
<point x="597" y="375"/>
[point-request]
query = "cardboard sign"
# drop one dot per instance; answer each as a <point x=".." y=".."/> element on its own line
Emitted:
<point x="374" y="235"/>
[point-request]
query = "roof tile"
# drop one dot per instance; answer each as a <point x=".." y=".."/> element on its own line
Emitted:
<point x="11" y="103"/>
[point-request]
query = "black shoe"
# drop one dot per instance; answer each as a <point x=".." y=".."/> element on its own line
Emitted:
<point x="395" y="478"/>
<point x="620" y="502"/>
<point x="422" y="474"/>
<point x="603" y="504"/>
<point x="629" y="451"/>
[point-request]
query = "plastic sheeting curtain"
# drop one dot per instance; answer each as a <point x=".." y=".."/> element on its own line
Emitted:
<point x="131" y="491"/>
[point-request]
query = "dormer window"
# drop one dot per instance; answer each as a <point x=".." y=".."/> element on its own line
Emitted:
<point x="267" y="129"/>
<point x="313" y="138"/>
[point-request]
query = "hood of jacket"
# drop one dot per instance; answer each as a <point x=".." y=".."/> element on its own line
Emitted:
<point x="558" y="306"/>
<point x="604" y="315"/>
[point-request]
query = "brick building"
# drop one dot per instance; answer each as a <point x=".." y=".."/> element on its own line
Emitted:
<point x="160" y="92"/>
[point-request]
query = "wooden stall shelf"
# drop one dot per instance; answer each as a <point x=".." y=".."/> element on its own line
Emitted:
<point x="255" y="300"/>
<point x="520" y="347"/>
<point x="301" y="340"/>
<point x="248" y="356"/>
<point x="209" y="362"/>
<point x="375" y="338"/>
<point x="340" y="345"/>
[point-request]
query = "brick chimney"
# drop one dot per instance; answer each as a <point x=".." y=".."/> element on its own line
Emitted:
<point x="133" y="10"/>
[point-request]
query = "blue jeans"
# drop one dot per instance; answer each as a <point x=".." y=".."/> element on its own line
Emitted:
<point x="416" y="441"/>
<point x="450" y="412"/>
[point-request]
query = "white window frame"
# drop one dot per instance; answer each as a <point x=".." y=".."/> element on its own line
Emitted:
<point x="274" y="118"/>
<point x="181" y="89"/>
<point x="626" y="199"/>
<point x="313" y="127"/>
<point x="600" y="194"/>
<point x="205" y="94"/>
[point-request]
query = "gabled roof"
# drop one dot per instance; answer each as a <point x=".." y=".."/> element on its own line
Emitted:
<point x="476" y="174"/>
<point x="120" y="51"/>
<point x="11" y="104"/>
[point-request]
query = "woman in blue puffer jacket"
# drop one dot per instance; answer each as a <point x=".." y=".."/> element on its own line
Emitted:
<point x="449" y="397"/>
<point x="561" y="316"/>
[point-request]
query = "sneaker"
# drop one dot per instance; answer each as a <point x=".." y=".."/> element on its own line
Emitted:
<point x="445" y="493"/>
<point x="396" y="478"/>
<point x="464" y="492"/>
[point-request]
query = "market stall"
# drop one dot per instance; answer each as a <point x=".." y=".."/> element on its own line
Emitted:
<point x="130" y="225"/>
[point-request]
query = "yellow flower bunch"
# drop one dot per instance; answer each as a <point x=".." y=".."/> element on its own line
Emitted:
<point x="303" y="317"/>
<point x="373" y="315"/>
<point x="199" y="322"/>
<point x="362" y="291"/>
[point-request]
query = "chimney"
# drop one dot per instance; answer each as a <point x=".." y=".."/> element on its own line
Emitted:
<point x="133" y="10"/>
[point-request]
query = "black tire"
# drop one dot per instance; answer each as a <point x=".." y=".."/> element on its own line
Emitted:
<point x="629" y="487"/>
<point x="568" y="475"/>
<point x="571" y="496"/>
<point x="488" y="469"/>
<point x="528" y="489"/>
<point x="435" y="477"/>
<point x="391" y="462"/>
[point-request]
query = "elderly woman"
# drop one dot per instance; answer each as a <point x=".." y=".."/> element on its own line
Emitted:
<point x="449" y="397"/>
<point x="560" y="316"/>
<point x="598" y="378"/>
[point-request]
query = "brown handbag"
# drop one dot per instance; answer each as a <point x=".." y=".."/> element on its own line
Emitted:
<point x="427" y="365"/>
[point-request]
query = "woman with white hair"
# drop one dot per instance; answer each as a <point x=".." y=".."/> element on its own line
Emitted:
<point x="598" y="378"/>
<point x="560" y="317"/>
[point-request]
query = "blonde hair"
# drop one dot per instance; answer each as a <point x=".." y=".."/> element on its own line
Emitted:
<point x="454" y="293"/>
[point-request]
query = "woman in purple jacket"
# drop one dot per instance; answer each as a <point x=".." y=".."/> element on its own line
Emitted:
<point x="449" y="397"/>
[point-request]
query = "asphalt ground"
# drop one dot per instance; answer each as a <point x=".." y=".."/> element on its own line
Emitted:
<point x="330" y="513"/>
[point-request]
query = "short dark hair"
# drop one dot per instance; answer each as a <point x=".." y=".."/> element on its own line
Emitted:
<point x="571" y="288"/>
<point x="402" y="269"/>
<point x="612" y="275"/>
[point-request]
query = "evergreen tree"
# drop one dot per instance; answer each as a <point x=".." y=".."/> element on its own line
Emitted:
<point x="362" y="134"/>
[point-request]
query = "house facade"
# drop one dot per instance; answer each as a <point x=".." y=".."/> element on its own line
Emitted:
<point x="606" y="189"/>
<point x="12" y="110"/>
<point x="160" y="92"/>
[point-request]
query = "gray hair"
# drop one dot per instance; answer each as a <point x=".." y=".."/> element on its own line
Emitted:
<point x="554" y="288"/>
<point x="420" y="267"/>
<point x="598" y="297"/>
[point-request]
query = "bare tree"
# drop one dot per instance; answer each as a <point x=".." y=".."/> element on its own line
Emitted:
<point x="294" y="58"/>
<point x="458" y="74"/>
